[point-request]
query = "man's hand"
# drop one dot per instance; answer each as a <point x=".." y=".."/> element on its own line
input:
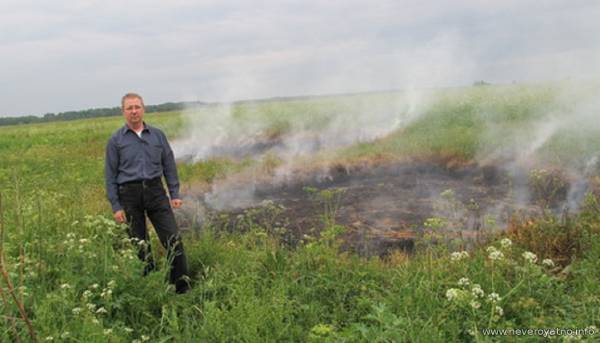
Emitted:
<point x="176" y="203"/>
<point x="120" y="216"/>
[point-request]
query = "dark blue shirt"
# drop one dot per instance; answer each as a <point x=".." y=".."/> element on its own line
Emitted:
<point x="131" y="158"/>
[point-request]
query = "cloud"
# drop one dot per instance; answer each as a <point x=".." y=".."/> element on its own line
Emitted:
<point x="199" y="49"/>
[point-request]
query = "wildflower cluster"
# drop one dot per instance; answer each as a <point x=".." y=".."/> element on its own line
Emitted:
<point x="471" y="300"/>
<point x="104" y="298"/>
<point x="473" y="296"/>
<point x="454" y="294"/>
<point x="458" y="256"/>
<point x="79" y="244"/>
<point x="505" y="243"/>
<point x="63" y="336"/>
<point x="100" y="222"/>
<point x="494" y="254"/>
<point x="548" y="263"/>
<point x="494" y="297"/>
<point x="464" y="282"/>
<point x="128" y="251"/>
<point x="477" y="291"/>
<point x="23" y="264"/>
<point x="530" y="257"/>
<point x="143" y="338"/>
<point x="107" y="292"/>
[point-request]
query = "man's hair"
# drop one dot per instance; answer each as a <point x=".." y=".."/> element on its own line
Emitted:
<point x="130" y="96"/>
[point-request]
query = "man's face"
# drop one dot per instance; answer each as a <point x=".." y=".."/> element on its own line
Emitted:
<point x="133" y="111"/>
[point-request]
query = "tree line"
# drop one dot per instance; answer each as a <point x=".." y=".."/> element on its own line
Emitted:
<point x="93" y="112"/>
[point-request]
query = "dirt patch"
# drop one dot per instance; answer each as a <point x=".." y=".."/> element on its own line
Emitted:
<point x="383" y="207"/>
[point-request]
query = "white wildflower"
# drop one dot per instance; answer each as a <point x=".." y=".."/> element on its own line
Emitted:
<point x="455" y="256"/>
<point x="65" y="286"/>
<point x="49" y="338"/>
<point x="106" y="293"/>
<point x="91" y="306"/>
<point x="505" y="243"/>
<point x="128" y="330"/>
<point x="459" y="255"/>
<point x="491" y="249"/>
<point x="499" y="311"/>
<point x="101" y="310"/>
<point x="145" y="338"/>
<point x="76" y="310"/>
<point x="111" y="284"/>
<point x="95" y="321"/>
<point x="477" y="291"/>
<point x="530" y="257"/>
<point x="463" y="281"/>
<point x="475" y="304"/>
<point x="494" y="297"/>
<point x="548" y="262"/>
<point x="84" y="241"/>
<point x="87" y="293"/>
<point x="496" y="255"/>
<point x="452" y="294"/>
<point x="94" y="286"/>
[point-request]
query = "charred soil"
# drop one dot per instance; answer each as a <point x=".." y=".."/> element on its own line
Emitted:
<point x="383" y="207"/>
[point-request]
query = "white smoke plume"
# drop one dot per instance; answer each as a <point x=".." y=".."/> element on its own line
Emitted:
<point x="223" y="128"/>
<point x="267" y="129"/>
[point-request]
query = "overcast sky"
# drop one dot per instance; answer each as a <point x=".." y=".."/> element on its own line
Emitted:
<point x="69" y="55"/>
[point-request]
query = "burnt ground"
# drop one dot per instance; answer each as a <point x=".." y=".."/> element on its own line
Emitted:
<point x="382" y="207"/>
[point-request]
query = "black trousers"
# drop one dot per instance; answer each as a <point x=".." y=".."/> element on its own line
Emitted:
<point x="149" y="198"/>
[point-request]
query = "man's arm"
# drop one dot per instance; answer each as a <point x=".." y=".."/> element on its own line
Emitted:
<point x="111" y="168"/>
<point x="170" y="173"/>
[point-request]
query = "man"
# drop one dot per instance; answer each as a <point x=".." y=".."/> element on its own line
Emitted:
<point x="137" y="156"/>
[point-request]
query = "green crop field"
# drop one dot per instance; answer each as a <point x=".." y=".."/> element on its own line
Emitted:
<point x="70" y="274"/>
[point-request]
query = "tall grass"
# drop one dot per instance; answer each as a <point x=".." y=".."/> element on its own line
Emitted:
<point x="75" y="275"/>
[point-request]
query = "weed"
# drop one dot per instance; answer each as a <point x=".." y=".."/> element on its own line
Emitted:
<point x="330" y="201"/>
<point x="548" y="187"/>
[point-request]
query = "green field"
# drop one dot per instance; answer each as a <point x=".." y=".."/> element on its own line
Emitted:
<point x="72" y="274"/>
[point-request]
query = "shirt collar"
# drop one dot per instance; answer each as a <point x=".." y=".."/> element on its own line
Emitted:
<point x="126" y="128"/>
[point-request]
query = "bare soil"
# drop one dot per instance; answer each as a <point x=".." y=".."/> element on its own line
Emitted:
<point x="384" y="207"/>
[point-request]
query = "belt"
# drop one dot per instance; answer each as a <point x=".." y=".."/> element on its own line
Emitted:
<point x="148" y="182"/>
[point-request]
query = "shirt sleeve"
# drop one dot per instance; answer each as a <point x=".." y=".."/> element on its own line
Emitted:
<point x="111" y="165"/>
<point x="170" y="169"/>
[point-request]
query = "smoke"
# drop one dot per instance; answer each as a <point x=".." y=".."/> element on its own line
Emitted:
<point x="296" y="132"/>
<point x="561" y="134"/>
<point x="244" y="131"/>
<point x="252" y="129"/>
<point x="230" y="196"/>
<point x="255" y="129"/>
